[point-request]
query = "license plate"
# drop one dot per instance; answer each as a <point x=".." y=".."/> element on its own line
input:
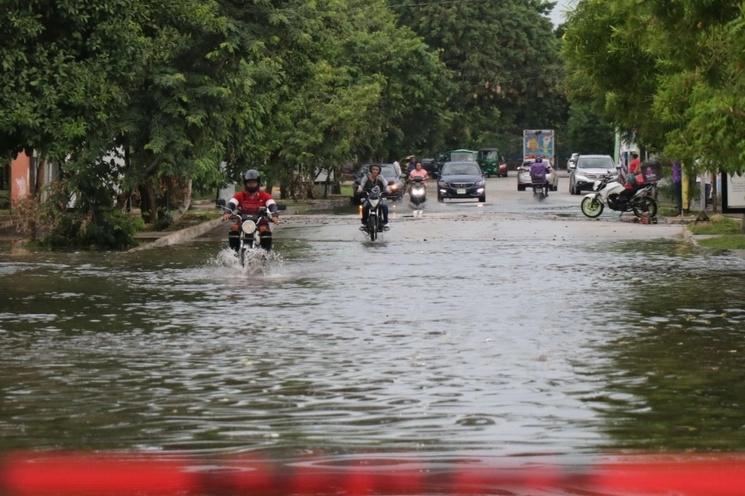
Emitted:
<point x="460" y="191"/>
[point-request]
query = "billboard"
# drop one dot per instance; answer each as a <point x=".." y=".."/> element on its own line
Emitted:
<point x="538" y="143"/>
<point x="733" y="194"/>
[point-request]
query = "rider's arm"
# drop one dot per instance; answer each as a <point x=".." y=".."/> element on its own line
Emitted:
<point x="229" y="208"/>
<point x="362" y="184"/>
<point x="384" y="185"/>
<point x="271" y="206"/>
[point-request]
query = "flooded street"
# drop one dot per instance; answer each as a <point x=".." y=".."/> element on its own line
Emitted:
<point x="492" y="331"/>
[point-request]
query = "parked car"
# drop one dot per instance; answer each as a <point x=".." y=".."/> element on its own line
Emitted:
<point x="461" y="180"/>
<point x="587" y="170"/>
<point x="524" y="180"/>
<point x="388" y="172"/>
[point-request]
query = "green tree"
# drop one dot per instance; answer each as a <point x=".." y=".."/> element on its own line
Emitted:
<point x="668" y="73"/>
<point x="504" y="60"/>
<point x="587" y="132"/>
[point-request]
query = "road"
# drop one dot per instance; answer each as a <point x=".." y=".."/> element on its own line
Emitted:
<point x="506" y="214"/>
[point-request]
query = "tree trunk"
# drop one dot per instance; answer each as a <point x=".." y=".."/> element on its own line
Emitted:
<point x="148" y="207"/>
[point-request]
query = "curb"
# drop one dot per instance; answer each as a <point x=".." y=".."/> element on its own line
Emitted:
<point x="180" y="236"/>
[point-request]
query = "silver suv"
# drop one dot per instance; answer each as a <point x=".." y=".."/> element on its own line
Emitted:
<point x="588" y="169"/>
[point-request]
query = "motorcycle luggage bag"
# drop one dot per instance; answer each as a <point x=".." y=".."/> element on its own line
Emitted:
<point x="538" y="173"/>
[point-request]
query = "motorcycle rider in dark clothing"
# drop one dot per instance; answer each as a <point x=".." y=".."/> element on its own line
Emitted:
<point x="372" y="179"/>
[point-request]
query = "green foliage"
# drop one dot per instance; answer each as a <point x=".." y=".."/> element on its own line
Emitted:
<point x="112" y="229"/>
<point x="505" y="65"/>
<point x="667" y="73"/>
<point x="587" y="131"/>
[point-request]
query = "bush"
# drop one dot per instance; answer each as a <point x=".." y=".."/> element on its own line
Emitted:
<point x="112" y="230"/>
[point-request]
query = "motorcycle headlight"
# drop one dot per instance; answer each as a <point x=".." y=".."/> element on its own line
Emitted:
<point x="417" y="192"/>
<point x="248" y="226"/>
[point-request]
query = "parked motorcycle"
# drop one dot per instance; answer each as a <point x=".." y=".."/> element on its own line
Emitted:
<point x="417" y="193"/>
<point x="249" y="232"/>
<point x="610" y="192"/>
<point x="375" y="218"/>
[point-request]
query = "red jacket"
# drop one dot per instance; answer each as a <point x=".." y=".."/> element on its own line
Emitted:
<point x="249" y="203"/>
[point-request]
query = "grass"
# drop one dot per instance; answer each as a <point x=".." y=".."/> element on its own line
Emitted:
<point x="719" y="224"/>
<point x="727" y="232"/>
<point x="728" y="242"/>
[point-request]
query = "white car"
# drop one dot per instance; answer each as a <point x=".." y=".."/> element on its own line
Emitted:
<point x="587" y="170"/>
<point x="523" y="176"/>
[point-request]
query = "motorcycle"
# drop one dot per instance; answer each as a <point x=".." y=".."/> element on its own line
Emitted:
<point x="375" y="217"/>
<point x="540" y="189"/>
<point x="417" y="193"/>
<point x="610" y="192"/>
<point x="250" y="231"/>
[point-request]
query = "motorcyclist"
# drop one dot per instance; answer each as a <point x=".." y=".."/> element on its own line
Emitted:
<point x="411" y="159"/>
<point x="372" y="179"/>
<point x="539" y="171"/>
<point x="248" y="202"/>
<point x="251" y="198"/>
<point x="419" y="171"/>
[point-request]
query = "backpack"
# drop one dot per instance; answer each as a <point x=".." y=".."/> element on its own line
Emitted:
<point x="538" y="172"/>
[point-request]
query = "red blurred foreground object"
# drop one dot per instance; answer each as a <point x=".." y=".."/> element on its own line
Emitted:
<point x="62" y="474"/>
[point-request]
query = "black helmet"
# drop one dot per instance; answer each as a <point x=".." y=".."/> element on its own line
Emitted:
<point x="538" y="160"/>
<point x="252" y="175"/>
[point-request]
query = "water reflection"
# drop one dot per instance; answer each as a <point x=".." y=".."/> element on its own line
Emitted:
<point x="677" y="358"/>
<point x="338" y="346"/>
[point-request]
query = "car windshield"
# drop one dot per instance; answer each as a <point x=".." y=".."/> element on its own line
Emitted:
<point x="492" y="154"/>
<point x="596" y="163"/>
<point x="388" y="171"/>
<point x="461" y="170"/>
<point x="458" y="156"/>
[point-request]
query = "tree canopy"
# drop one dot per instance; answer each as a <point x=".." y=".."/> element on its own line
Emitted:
<point x="134" y="96"/>
<point x="667" y="73"/>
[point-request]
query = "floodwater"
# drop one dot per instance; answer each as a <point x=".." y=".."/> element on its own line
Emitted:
<point x="465" y="334"/>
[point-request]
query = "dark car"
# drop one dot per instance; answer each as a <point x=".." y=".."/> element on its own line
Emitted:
<point x="388" y="172"/>
<point x="461" y="180"/>
<point x="432" y="167"/>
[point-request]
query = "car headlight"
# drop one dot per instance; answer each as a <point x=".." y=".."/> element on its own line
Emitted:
<point x="481" y="183"/>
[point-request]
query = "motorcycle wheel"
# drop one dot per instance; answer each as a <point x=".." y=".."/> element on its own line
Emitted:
<point x="243" y="256"/>
<point x="372" y="227"/>
<point x="645" y="206"/>
<point x="591" y="207"/>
